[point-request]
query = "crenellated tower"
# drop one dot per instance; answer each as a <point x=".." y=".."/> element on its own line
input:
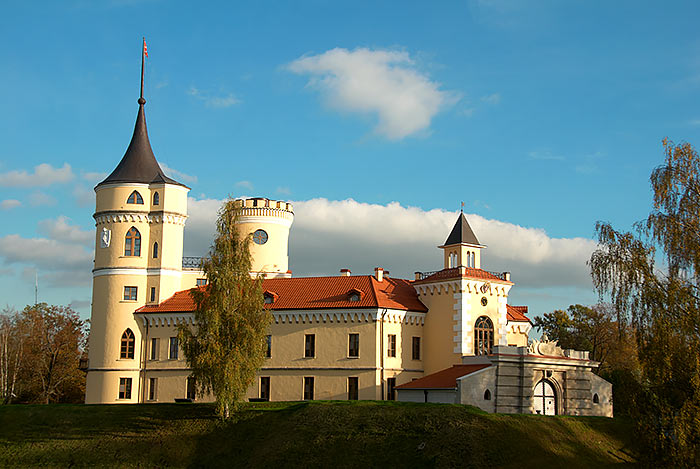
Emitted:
<point x="139" y="216"/>
<point x="269" y="222"/>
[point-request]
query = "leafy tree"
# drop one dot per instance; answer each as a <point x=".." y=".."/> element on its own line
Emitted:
<point x="52" y="340"/>
<point x="610" y="342"/>
<point x="653" y="278"/>
<point x="228" y="344"/>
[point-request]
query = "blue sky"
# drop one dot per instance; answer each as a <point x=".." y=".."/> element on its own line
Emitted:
<point x="375" y="117"/>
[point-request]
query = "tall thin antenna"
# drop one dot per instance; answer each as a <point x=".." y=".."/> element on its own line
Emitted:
<point x="36" y="287"/>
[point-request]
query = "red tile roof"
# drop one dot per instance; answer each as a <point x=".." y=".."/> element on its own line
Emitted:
<point x="446" y="274"/>
<point x="517" y="313"/>
<point x="319" y="293"/>
<point x="445" y="379"/>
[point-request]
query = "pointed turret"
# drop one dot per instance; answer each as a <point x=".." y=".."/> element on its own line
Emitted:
<point x="462" y="233"/>
<point x="139" y="163"/>
<point x="461" y="247"/>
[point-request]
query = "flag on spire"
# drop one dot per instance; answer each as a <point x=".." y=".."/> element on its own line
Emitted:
<point x="145" y="49"/>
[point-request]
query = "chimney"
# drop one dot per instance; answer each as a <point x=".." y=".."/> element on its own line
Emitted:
<point x="379" y="274"/>
<point x="345" y="272"/>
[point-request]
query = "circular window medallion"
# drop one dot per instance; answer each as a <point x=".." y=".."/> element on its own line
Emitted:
<point x="484" y="301"/>
<point x="260" y="237"/>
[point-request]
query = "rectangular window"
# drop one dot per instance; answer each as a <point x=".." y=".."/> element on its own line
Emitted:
<point x="354" y="345"/>
<point x="152" y="389"/>
<point x="130" y="293"/>
<point x="268" y="351"/>
<point x="201" y="282"/>
<point x="191" y="388"/>
<point x="153" y="293"/>
<point x="353" y="388"/>
<point x="416" y="348"/>
<point x="154" y="349"/>
<point x="310" y="346"/>
<point x="391" y="346"/>
<point x="308" y="388"/>
<point x="124" y="388"/>
<point x="265" y="388"/>
<point x="173" y="348"/>
<point x="391" y="389"/>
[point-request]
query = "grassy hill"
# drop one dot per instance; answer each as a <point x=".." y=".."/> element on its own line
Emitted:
<point x="317" y="434"/>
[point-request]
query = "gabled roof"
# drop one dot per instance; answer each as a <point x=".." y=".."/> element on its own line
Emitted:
<point x="318" y="293"/>
<point x="517" y="313"/>
<point x="462" y="233"/>
<point x="445" y="379"/>
<point x="139" y="163"/>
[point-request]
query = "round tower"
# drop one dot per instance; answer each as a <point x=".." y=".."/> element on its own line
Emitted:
<point x="269" y="222"/>
<point x="139" y="216"/>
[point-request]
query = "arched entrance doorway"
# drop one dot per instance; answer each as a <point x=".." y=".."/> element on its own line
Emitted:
<point x="545" y="398"/>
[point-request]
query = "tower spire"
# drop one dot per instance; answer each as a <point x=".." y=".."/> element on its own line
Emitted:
<point x="139" y="163"/>
<point x="144" y="54"/>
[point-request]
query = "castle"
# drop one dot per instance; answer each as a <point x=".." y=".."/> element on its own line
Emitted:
<point x="444" y="336"/>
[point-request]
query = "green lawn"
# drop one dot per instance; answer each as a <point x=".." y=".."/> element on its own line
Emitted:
<point x="316" y="434"/>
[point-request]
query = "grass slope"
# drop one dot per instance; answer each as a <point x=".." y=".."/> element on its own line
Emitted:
<point x="316" y="434"/>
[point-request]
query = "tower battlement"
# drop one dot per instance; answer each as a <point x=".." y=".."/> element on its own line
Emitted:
<point x="268" y="223"/>
<point x="263" y="207"/>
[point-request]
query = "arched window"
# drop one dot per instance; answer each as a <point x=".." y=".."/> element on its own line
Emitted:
<point x="132" y="246"/>
<point x="127" y="349"/>
<point x="155" y="250"/>
<point x="156" y="199"/>
<point x="487" y="395"/>
<point x="483" y="336"/>
<point x="596" y="399"/>
<point x="135" y="198"/>
<point x="472" y="259"/>
<point x="545" y="398"/>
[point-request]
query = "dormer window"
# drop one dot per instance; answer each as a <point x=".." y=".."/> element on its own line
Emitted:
<point x="355" y="295"/>
<point x="270" y="297"/>
<point x="156" y="199"/>
<point x="135" y="198"/>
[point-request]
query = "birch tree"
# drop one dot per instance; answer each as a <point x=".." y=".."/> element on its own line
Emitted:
<point x="227" y="344"/>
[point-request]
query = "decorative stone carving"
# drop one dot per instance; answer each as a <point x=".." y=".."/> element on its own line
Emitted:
<point x="105" y="238"/>
<point x="545" y="347"/>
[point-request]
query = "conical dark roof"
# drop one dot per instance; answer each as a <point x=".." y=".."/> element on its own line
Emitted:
<point x="462" y="233"/>
<point x="139" y="163"/>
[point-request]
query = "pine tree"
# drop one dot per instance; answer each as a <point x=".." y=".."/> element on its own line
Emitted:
<point x="227" y="345"/>
<point x="653" y="277"/>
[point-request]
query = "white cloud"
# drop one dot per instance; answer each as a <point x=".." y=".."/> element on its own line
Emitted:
<point x="48" y="253"/>
<point x="245" y="185"/>
<point x="329" y="235"/>
<point x="494" y="98"/>
<point x="93" y="177"/>
<point x="84" y="197"/>
<point x="9" y="204"/>
<point x="43" y="175"/>
<point x="284" y="190"/>
<point x="381" y="82"/>
<point x="40" y="199"/>
<point x="59" y="229"/>
<point x="209" y="100"/>
<point x="63" y="258"/>
<point x="177" y="175"/>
